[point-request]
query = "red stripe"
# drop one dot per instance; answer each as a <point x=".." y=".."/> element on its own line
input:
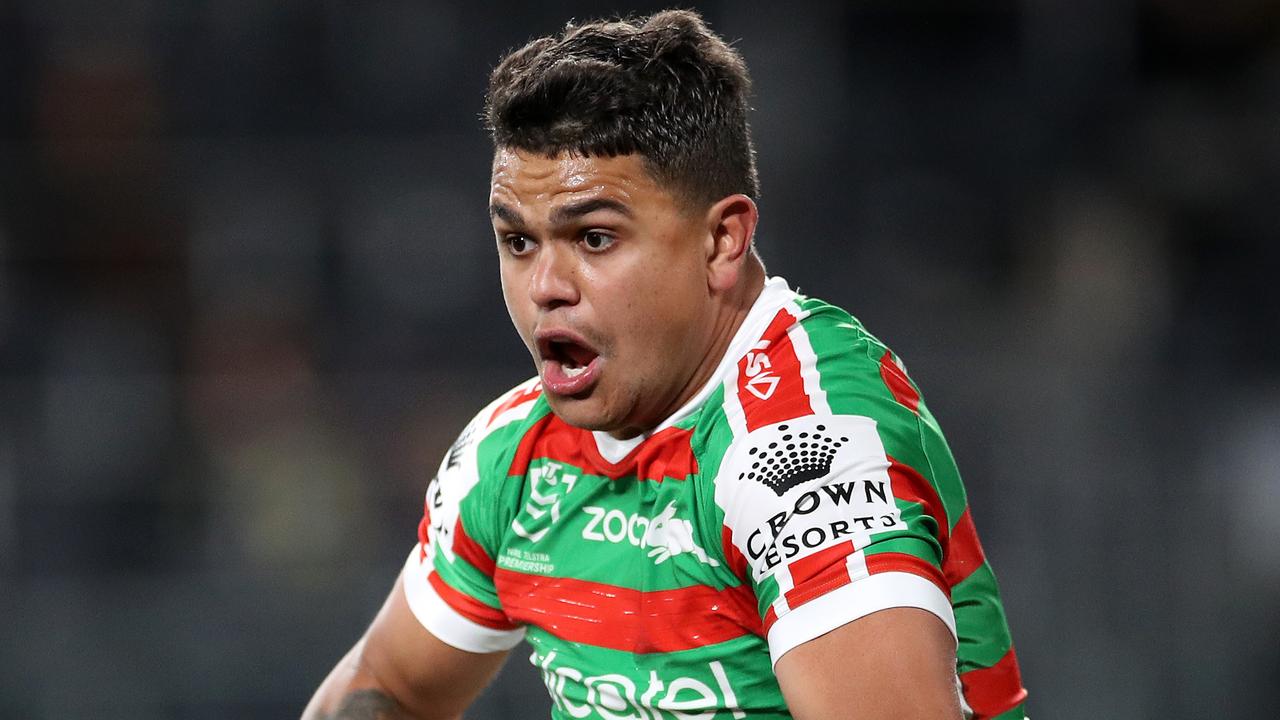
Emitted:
<point x="470" y="550"/>
<point x="991" y="691"/>
<point x="424" y="528"/>
<point x="625" y="619"/>
<point x="809" y="566"/>
<point x="737" y="562"/>
<point x="468" y="607"/>
<point x="817" y="574"/>
<point x="528" y="444"/>
<point x="770" y="617"/>
<point x="770" y="386"/>
<point x="907" y="563"/>
<point x="666" y="455"/>
<point x="517" y="398"/>
<point x="964" y="552"/>
<point x="911" y="486"/>
<point x="898" y="383"/>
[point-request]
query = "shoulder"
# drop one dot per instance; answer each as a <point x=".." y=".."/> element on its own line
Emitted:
<point x="815" y="359"/>
<point x="822" y="413"/>
<point x="813" y="390"/>
<point x="848" y="358"/>
<point x="498" y="424"/>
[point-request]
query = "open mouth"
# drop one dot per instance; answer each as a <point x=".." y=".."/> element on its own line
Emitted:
<point x="569" y="364"/>
<point x="574" y="358"/>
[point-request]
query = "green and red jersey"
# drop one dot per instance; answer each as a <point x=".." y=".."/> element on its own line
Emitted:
<point x="805" y="486"/>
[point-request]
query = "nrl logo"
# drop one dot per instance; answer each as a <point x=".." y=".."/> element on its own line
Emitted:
<point x="792" y="458"/>
<point x="546" y="486"/>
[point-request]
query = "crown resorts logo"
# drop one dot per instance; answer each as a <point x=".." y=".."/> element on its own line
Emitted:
<point x="792" y="458"/>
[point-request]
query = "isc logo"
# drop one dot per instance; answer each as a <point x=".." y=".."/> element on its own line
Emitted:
<point x="761" y="381"/>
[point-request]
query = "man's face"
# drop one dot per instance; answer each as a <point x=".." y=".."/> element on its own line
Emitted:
<point x="605" y="279"/>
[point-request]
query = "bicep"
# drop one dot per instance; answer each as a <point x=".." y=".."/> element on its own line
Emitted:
<point x="896" y="663"/>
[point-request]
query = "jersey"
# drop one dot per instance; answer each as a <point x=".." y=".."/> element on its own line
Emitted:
<point x="805" y="486"/>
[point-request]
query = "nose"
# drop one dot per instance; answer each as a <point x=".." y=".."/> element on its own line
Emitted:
<point x="554" y="281"/>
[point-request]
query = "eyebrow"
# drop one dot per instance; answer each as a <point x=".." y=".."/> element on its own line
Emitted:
<point x="506" y="214"/>
<point x="564" y="214"/>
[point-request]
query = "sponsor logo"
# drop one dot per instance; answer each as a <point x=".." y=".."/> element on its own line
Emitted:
<point x="664" y="535"/>
<point x="761" y="381"/>
<point x="828" y="514"/>
<point x="547" y="484"/>
<point x="787" y="458"/>
<point x="618" y="697"/>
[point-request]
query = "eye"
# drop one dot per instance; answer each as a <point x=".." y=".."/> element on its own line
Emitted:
<point x="519" y="244"/>
<point x="597" y="241"/>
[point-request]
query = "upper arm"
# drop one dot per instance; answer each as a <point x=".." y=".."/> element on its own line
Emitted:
<point x="842" y="502"/>
<point x="837" y="506"/>
<point x="830" y="537"/>
<point x="897" y="663"/>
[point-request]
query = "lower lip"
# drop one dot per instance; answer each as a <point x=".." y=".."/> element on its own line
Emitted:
<point x="557" y="381"/>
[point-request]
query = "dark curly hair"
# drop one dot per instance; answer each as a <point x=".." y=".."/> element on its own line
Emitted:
<point x="664" y="87"/>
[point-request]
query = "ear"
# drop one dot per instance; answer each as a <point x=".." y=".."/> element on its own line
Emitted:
<point x="731" y="224"/>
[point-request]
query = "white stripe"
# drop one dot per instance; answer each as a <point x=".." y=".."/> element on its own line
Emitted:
<point x="856" y="564"/>
<point x="733" y="411"/>
<point x="446" y="623"/>
<point x="808" y="361"/>
<point x="511" y="414"/>
<point x="855" y="600"/>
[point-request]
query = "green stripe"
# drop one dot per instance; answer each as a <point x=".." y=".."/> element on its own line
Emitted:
<point x="980" y="621"/>
<point x="766" y="594"/>
<point x="712" y="434"/>
<point x="681" y="680"/>
<point x="942" y="467"/>
<point x="712" y="437"/>
<point x="599" y="535"/>
<point x="849" y="373"/>
<point x="1017" y="713"/>
<point x="908" y="542"/>
<point x="465" y="578"/>
<point x="492" y="494"/>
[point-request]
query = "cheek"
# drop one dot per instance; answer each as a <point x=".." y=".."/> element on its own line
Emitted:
<point x="517" y="303"/>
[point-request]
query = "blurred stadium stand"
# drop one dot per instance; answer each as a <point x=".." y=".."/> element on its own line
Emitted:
<point x="248" y="296"/>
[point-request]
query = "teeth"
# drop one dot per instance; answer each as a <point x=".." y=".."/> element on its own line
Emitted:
<point x="575" y="371"/>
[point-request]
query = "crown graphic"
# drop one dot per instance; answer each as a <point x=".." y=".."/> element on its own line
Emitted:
<point x="792" y="458"/>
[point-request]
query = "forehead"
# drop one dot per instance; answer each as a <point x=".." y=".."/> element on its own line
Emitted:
<point x="526" y="178"/>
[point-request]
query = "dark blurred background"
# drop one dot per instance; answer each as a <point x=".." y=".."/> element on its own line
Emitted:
<point x="248" y="295"/>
